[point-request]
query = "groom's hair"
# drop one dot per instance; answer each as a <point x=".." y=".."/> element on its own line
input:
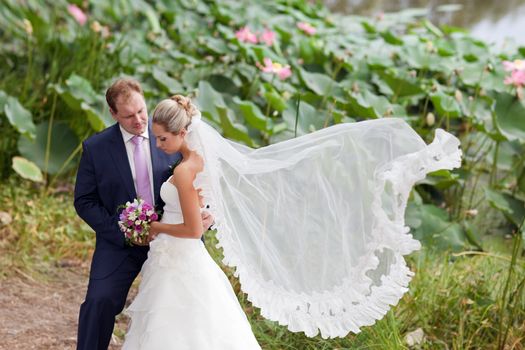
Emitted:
<point x="122" y="87"/>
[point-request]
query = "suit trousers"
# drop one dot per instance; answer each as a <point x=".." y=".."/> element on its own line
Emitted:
<point x="105" y="299"/>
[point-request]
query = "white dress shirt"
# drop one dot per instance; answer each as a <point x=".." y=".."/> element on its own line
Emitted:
<point x="130" y="147"/>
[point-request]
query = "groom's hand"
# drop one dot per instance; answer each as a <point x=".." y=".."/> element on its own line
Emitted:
<point x="207" y="220"/>
<point x="201" y="198"/>
<point x="140" y="243"/>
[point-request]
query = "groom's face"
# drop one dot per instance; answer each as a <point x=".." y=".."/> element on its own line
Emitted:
<point x="131" y="113"/>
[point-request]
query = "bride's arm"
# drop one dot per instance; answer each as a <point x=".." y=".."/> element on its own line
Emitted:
<point x="189" y="201"/>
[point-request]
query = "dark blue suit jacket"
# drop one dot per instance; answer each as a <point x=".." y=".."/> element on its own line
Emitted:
<point x="104" y="182"/>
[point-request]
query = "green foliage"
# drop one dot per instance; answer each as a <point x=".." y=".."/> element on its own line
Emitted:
<point x="27" y="169"/>
<point x="19" y="117"/>
<point x="63" y="143"/>
<point x="432" y="227"/>
<point x="508" y="116"/>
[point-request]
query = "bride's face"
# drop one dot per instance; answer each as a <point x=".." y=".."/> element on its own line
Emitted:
<point x="167" y="141"/>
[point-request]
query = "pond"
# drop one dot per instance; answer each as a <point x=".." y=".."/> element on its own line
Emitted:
<point x="501" y="22"/>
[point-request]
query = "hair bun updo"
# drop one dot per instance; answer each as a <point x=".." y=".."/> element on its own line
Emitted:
<point x="185" y="103"/>
<point x="175" y="113"/>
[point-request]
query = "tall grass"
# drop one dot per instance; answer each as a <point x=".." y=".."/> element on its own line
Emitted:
<point x="44" y="229"/>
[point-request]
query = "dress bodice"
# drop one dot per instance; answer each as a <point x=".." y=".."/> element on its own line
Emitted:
<point x="168" y="249"/>
<point x="172" y="209"/>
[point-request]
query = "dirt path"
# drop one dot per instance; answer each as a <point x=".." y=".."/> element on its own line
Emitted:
<point x="42" y="314"/>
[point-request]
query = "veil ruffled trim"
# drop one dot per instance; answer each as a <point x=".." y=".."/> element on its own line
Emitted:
<point x="359" y="299"/>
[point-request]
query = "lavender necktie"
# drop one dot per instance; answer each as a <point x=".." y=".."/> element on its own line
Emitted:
<point x="141" y="170"/>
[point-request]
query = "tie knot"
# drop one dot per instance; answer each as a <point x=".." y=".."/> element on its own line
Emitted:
<point x="137" y="140"/>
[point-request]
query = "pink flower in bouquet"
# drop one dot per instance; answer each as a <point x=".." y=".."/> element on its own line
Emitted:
<point x="77" y="14"/>
<point x="306" y="28"/>
<point x="267" y="37"/>
<point x="245" y="35"/>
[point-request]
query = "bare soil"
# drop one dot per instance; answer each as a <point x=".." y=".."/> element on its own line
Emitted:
<point x="42" y="312"/>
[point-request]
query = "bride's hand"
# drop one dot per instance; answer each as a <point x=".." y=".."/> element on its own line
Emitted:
<point x="154" y="230"/>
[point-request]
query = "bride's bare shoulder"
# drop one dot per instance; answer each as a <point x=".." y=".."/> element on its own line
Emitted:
<point x="186" y="171"/>
<point x="182" y="174"/>
<point x="195" y="163"/>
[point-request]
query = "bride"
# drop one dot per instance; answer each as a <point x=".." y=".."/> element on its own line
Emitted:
<point x="314" y="227"/>
<point x="185" y="301"/>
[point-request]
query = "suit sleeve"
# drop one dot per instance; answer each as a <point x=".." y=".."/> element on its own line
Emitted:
<point x="89" y="205"/>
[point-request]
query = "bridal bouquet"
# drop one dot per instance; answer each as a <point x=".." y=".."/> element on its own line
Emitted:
<point x="135" y="219"/>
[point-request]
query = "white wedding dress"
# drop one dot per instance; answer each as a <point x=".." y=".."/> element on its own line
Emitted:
<point x="185" y="301"/>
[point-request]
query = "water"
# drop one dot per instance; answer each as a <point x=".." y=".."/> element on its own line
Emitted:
<point x="501" y="22"/>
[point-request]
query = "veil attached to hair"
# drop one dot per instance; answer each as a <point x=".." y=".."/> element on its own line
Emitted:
<point x="314" y="226"/>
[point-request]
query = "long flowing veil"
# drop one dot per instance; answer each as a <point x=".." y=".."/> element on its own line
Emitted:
<point x="314" y="226"/>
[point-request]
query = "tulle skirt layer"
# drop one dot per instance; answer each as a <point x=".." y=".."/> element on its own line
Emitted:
<point x="185" y="301"/>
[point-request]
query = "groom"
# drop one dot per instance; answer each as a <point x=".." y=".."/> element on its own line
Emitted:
<point x="117" y="165"/>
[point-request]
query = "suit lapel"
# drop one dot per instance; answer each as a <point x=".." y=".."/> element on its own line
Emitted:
<point x="120" y="159"/>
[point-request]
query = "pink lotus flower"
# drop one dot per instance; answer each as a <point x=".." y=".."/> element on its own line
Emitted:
<point x="77" y="14"/>
<point x="283" y="72"/>
<point x="245" y="35"/>
<point x="516" y="78"/>
<point x="267" y="37"/>
<point x="306" y="27"/>
<point x="515" y="65"/>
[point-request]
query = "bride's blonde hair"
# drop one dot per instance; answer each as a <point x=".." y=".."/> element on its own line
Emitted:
<point x="174" y="113"/>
